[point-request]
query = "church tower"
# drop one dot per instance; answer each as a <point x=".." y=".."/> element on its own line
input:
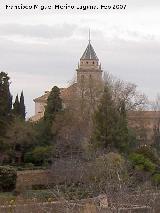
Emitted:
<point x="89" y="67"/>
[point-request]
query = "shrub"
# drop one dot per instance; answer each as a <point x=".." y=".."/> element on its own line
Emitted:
<point x="111" y="160"/>
<point x="108" y="168"/>
<point x="29" y="165"/>
<point x="39" y="187"/>
<point x="39" y="155"/>
<point x="147" y="152"/>
<point x="141" y="162"/>
<point x="8" y="176"/>
<point x="156" y="179"/>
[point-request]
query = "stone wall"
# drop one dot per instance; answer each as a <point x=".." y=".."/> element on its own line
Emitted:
<point x="29" y="178"/>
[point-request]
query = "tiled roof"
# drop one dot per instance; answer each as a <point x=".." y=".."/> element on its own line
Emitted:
<point x="89" y="53"/>
<point x="42" y="98"/>
<point x="65" y="93"/>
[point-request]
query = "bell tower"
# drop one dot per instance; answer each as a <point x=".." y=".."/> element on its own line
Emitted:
<point x="89" y="67"/>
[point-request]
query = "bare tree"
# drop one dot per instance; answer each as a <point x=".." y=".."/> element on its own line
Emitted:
<point x="156" y="121"/>
<point x="127" y="92"/>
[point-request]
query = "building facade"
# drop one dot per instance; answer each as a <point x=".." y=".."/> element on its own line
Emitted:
<point x="88" y="71"/>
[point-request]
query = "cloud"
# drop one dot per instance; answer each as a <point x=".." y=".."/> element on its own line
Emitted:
<point x="38" y="31"/>
<point x="42" y="50"/>
<point x="36" y="68"/>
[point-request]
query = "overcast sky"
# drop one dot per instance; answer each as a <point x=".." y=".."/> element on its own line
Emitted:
<point x="40" y="49"/>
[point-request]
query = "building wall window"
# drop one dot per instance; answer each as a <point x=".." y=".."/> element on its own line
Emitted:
<point x="82" y="77"/>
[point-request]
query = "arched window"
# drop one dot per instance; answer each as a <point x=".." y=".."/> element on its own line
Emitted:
<point x="93" y="62"/>
<point x="86" y="62"/>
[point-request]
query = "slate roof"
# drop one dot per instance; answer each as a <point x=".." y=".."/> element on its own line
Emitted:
<point x="89" y="53"/>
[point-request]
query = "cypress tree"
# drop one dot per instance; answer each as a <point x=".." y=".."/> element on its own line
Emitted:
<point x="10" y="102"/>
<point x="22" y="106"/>
<point x="54" y="104"/>
<point x="16" y="107"/>
<point x="5" y="102"/>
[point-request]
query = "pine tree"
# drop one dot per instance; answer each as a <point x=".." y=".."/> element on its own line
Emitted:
<point x="104" y="121"/>
<point x="22" y="106"/>
<point x="5" y="102"/>
<point x="16" y="107"/>
<point x="110" y="127"/>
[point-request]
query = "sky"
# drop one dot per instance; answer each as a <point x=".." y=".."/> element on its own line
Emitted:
<point x="41" y="48"/>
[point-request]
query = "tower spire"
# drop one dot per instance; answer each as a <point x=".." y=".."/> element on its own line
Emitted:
<point x="89" y="36"/>
<point x="89" y="53"/>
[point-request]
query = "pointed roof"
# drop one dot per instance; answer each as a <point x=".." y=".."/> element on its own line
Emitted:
<point x="89" y="53"/>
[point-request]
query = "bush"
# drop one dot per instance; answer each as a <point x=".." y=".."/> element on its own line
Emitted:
<point x="147" y="152"/>
<point x="39" y="187"/>
<point x="8" y="176"/>
<point x="156" y="179"/>
<point x="39" y="156"/>
<point x="106" y="171"/>
<point x="142" y="163"/>
<point x="29" y="165"/>
<point x="110" y="161"/>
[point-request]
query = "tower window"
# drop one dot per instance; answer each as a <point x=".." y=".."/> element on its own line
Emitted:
<point x="86" y="62"/>
<point x="93" y="62"/>
<point x="82" y="77"/>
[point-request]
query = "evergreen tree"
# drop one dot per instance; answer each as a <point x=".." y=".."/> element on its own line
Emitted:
<point x="156" y="136"/>
<point x="10" y="102"/>
<point x="54" y="104"/>
<point x="22" y="106"/>
<point x="122" y="142"/>
<point x="5" y="102"/>
<point x="16" y="107"/>
<point x="110" y="126"/>
<point x="44" y="127"/>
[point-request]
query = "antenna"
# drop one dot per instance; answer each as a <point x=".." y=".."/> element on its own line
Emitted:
<point x="89" y="36"/>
